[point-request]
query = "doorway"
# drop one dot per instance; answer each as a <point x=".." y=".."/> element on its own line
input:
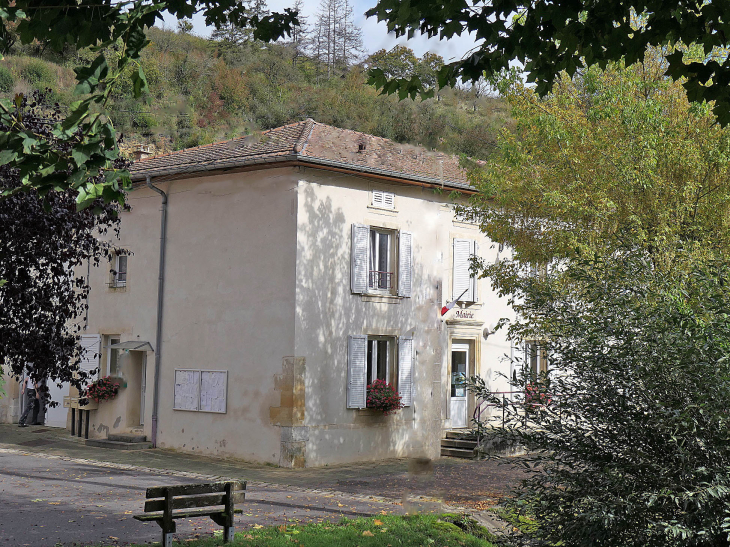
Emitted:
<point x="459" y="373"/>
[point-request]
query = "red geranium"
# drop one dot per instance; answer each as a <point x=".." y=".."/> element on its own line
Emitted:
<point x="102" y="390"/>
<point x="383" y="396"/>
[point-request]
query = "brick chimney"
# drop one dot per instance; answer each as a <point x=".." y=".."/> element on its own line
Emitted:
<point x="142" y="152"/>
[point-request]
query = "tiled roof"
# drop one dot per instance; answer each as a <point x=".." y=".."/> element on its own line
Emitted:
<point x="312" y="143"/>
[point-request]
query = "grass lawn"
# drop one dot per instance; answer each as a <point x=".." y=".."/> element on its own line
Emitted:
<point x="385" y="531"/>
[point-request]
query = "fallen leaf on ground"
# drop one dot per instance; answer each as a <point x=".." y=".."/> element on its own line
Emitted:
<point x="377" y="522"/>
<point x="368" y="533"/>
<point x="257" y="526"/>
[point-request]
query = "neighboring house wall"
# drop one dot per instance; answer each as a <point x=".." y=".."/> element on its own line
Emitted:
<point x="9" y="399"/>
<point x="229" y="305"/>
<point x="328" y="312"/>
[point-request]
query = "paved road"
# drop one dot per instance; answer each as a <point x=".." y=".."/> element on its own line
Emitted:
<point x="49" y="501"/>
<point x="476" y="485"/>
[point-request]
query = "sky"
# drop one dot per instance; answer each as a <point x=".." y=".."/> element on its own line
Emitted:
<point x="375" y="35"/>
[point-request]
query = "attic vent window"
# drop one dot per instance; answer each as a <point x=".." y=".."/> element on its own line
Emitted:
<point x="385" y="200"/>
<point x="361" y="147"/>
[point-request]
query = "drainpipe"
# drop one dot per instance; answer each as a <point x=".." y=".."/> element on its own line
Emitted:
<point x="160" y="299"/>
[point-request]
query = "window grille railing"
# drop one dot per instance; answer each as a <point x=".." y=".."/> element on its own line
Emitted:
<point x="380" y="280"/>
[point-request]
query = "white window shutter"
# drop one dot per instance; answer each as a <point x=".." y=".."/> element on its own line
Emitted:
<point x="475" y="279"/>
<point x="461" y="278"/>
<point x="386" y="200"/>
<point x="359" y="258"/>
<point x="516" y="366"/>
<point x="405" y="370"/>
<point x="405" y="264"/>
<point x="378" y="198"/>
<point x="356" y="371"/>
<point x="90" y="351"/>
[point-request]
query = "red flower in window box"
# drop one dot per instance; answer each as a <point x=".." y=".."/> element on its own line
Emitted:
<point x="102" y="389"/>
<point x="383" y="396"/>
<point x="536" y="397"/>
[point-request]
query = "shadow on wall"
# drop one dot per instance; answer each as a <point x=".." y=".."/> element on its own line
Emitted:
<point x="327" y="312"/>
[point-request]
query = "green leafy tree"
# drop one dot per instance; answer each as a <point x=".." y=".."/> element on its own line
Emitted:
<point x="620" y="183"/>
<point x="549" y="37"/>
<point x="83" y="152"/>
<point x="399" y="62"/>
<point x="610" y="155"/>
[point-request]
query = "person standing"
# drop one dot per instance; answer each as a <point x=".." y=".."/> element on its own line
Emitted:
<point x="32" y="398"/>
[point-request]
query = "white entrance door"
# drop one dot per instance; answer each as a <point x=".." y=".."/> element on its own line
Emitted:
<point x="459" y="367"/>
<point x="56" y="417"/>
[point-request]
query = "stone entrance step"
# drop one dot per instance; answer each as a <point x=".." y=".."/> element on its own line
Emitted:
<point x="121" y="441"/>
<point x="127" y="438"/>
<point x="458" y="444"/>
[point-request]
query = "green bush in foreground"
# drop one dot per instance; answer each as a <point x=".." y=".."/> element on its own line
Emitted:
<point x="632" y="446"/>
<point x="408" y="531"/>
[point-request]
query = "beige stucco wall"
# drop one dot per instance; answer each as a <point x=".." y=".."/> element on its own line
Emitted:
<point x="327" y="312"/>
<point x="229" y="305"/>
<point x="258" y="284"/>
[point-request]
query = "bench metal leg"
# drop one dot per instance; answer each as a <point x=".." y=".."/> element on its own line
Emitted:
<point x="228" y="533"/>
<point x="167" y="539"/>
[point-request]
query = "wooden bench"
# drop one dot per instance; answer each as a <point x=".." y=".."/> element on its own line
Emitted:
<point x="215" y="500"/>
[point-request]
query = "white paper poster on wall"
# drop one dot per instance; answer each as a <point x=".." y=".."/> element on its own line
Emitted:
<point x="187" y="390"/>
<point x="213" y="384"/>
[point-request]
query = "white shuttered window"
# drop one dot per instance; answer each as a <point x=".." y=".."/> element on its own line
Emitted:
<point x="386" y="200"/>
<point x="464" y="284"/>
<point x="378" y="264"/>
<point x="356" y="371"/>
<point x="369" y="358"/>
<point x="405" y="370"/>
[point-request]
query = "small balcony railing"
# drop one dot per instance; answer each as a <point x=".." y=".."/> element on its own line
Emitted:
<point x="380" y="280"/>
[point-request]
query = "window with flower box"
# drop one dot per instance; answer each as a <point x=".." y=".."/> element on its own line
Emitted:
<point x="371" y="358"/>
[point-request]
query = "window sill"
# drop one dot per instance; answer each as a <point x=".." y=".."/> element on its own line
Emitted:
<point x="117" y="288"/>
<point x="468" y="306"/>
<point x="383" y="211"/>
<point x="382" y="298"/>
<point x="465" y="224"/>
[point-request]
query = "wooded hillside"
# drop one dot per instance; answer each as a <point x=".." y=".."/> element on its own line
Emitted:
<point x="204" y="90"/>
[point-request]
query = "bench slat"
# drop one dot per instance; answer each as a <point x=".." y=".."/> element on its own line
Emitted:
<point x="204" y="500"/>
<point x="182" y="514"/>
<point x="190" y="489"/>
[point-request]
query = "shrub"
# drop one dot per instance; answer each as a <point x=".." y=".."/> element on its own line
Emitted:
<point x="7" y="81"/>
<point x="383" y="396"/>
<point x="633" y="449"/>
<point x="37" y="73"/>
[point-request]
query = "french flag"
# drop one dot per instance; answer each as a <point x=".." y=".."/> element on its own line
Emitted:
<point x="451" y="304"/>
